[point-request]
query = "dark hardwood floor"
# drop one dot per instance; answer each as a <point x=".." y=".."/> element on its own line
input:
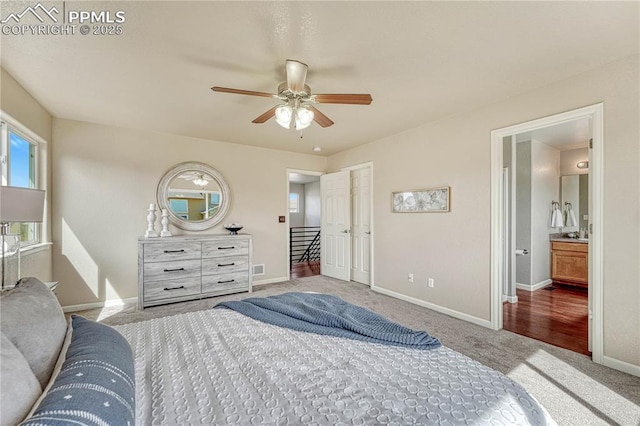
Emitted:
<point x="557" y="316"/>
<point x="305" y="269"/>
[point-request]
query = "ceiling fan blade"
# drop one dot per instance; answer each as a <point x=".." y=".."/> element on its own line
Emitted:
<point x="296" y="75"/>
<point x="344" y="98"/>
<point x="242" y="92"/>
<point x="319" y="117"/>
<point x="267" y="115"/>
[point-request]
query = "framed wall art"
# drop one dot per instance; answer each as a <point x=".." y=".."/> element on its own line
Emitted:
<point x="421" y="200"/>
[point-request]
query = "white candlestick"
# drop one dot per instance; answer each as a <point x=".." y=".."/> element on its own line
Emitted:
<point x="165" y="224"/>
<point x="151" y="222"/>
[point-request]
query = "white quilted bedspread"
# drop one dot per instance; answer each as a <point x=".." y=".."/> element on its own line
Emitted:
<point x="219" y="367"/>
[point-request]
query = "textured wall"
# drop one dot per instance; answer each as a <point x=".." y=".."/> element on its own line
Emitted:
<point x="105" y="177"/>
<point x="454" y="247"/>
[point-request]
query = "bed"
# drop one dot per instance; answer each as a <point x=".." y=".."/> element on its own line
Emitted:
<point x="220" y="366"/>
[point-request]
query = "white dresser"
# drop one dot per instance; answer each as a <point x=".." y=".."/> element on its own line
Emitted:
<point x="187" y="267"/>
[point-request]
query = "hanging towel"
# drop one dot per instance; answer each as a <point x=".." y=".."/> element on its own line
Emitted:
<point x="556" y="217"/>
<point x="570" y="216"/>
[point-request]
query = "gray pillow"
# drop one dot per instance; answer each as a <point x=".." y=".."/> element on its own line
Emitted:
<point x="33" y="321"/>
<point x="19" y="388"/>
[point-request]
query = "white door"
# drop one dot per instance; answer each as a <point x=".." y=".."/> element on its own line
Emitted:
<point x="336" y="225"/>
<point x="361" y="225"/>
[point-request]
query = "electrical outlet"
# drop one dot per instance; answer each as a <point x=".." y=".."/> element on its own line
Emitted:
<point x="430" y="282"/>
<point x="410" y="277"/>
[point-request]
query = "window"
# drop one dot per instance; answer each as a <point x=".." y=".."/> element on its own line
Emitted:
<point x="294" y="203"/>
<point x="19" y="164"/>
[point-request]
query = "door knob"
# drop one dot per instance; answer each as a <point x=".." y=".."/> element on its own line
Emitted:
<point x="346" y="231"/>
<point x="368" y="232"/>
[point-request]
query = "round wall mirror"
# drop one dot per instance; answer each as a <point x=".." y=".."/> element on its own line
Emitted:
<point x="195" y="195"/>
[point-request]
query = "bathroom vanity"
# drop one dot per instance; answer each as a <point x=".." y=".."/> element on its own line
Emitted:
<point x="570" y="261"/>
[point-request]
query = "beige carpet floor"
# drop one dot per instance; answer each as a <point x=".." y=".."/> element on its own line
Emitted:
<point x="572" y="388"/>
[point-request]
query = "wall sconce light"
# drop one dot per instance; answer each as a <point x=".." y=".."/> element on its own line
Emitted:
<point x="582" y="165"/>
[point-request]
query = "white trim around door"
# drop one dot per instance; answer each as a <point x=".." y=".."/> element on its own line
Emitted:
<point x="596" y="165"/>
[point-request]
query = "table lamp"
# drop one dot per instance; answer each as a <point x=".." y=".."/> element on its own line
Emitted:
<point x="18" y="205"/>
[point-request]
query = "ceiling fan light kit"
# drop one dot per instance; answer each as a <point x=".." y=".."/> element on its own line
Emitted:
<point x="200" y="181"/>
<point x="296" y="112"/>
<point x="284" y="113"/>
<point x="304" y="117"/>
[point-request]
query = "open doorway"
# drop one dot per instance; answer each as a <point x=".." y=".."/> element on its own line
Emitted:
<point x="503" y="244"/>
<point x="343" y="248"/>
<point x="304" y="224"/>
<point x="546" y="201"/>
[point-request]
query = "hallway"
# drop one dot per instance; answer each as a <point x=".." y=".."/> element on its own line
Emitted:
<point x="305" y="269"/>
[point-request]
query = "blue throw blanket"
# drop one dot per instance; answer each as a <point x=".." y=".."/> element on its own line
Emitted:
<point x="330" y="315"/>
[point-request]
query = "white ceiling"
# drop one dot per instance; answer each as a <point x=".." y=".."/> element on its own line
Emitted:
<point x="421" y="61"/>
<point x="302" y="178"/>
<point x="564" y="137"/>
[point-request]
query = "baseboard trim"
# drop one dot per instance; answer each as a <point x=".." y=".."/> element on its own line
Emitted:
<point x="269" y="281"/>
<point x="625" y="367"/>
<point x="510" y="299"/>
<point x="103" y="304"/>
<point x="434" y="307"/>
<point x="534" y="287"/>
<point x="541" y="284"/>
<point x="134" y="300"/>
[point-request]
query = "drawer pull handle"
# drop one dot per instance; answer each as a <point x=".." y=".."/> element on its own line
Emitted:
<point x="174" y="251"/>
<point x="173" y="288"/>
<point x="174" y="270"/>
<point x="226" y="248"/>
<point x="226" y="264"/>
<point x="224" y="282"/>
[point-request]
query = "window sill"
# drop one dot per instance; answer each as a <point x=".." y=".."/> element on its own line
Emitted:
<point x="34" y="248"/>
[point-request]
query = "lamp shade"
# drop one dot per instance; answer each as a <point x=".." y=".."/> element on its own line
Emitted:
<point x="283" y="115"/>
<point x="21" y="204"/>
<point x="304" y="117"/>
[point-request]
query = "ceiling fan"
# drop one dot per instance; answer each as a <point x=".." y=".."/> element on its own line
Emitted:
<point x="297" y="111"/>
<point x="199" y="179"/>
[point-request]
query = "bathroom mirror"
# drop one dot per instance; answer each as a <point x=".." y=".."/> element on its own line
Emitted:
<point x="574" y="189"/>
<point x="195" y="195"/>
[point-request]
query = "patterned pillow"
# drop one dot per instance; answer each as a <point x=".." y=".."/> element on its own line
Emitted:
<point x="96" y="384"/>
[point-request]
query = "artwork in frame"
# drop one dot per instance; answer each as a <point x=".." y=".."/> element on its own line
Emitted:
<point x="421" y="201"/>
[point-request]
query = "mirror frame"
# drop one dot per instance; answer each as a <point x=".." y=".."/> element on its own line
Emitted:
<point x="191" y="166"/>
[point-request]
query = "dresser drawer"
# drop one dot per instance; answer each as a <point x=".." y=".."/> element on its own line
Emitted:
<point x="227" y="281"/>
<point x="228" y="247"/>
<point x="556" y="245"/>
<point x="157" y="290"/>
<point x="160" y="252"/>
<point x="178" y="269"/>
<point x="225" y="265"/>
